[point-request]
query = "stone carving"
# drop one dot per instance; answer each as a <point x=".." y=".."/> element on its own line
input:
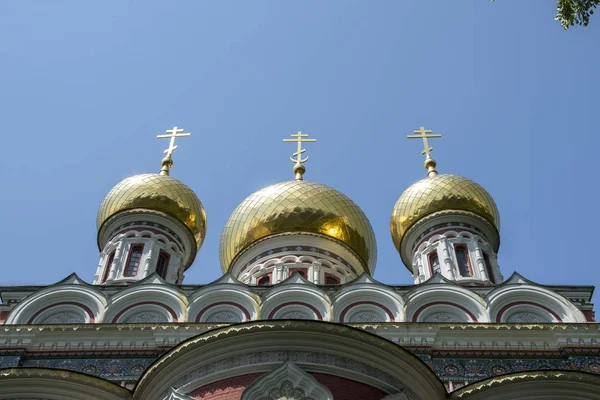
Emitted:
<point x="300" y="357"/>
<point x="295" y="315"/>
<point x="526" y="318"/>
<point x="442" y="317"/>
<point x="146" y="317"/>
<point x="365" y="316"/>
<point x="287" y="382"/>
<point x="64" y="317"/>
<point x="226" y="317"/>
<point x="286" y="391"/>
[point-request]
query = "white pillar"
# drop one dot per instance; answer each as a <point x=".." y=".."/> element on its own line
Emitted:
<point x="149" y="264"/>
<point x="479" y="261"/>
<point x="315" y="273"/>
<point x="447" y="259"/>
<point x="277" y="275"/>
<point x="117" y="263"/>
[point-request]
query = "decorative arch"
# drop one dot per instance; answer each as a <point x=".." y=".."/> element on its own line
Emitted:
<point x="296" y="298"/>
<point x="319" y="349"/>
<point x="366" y="300"/>
<point x="72" y="296"/>
<point x="443" y="311"/>
<point x="532" y="385"/>
<point x="65" y="312"/>
<point x="423" y="303"/>
<point x="538" y="304"/>
<point x="224" y="301"/>
<point x="53" y="384"/>
<point x="150" y="300"/>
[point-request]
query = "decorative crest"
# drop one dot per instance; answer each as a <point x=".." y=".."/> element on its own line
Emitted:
<point x="298" y="161"/>
<point x="426" y="134"/>
<point x="172" y="134"/>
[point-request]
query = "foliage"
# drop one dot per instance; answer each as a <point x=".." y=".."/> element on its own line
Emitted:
<point x="575" y="12"/>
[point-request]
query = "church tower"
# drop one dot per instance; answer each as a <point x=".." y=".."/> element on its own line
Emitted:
<point x="298" y="226"/>
<point x="149" y="223"/>
<point x="447" y="224"/>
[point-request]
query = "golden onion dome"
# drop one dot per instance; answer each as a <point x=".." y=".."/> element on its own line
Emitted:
<point x="298" y="206"/>
<point x="440" y="193"/>
<point x="157" y="193"/>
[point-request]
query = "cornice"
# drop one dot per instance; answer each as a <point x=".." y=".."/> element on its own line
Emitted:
<point x="364" y="326"/>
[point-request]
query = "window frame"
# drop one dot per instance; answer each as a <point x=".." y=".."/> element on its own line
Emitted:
<point x="430" y="261"/>
<point x="107" y="264"/>
<point x="127" y="270"/>
<point x="464" y="247"/>
<point x="166" y="266"/>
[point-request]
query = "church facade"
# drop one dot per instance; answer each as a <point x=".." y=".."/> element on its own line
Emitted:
<point x="297" y="314"/>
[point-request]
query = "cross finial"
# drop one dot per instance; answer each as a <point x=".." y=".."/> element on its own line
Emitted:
<point x="425" y="134"/>
<point x="172" y="134"/>
<point x="298" y="161"/>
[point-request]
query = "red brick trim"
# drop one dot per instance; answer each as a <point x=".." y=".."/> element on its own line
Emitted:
<point x="589" y="315"/>
<point x="246" y="313"/>
<point x="420" y="310"/>
<point x="156" y="303"/>
<point x="531" y="303"/>
<point x="384" y="308"/>
<point x="72" y="303"/>
<point x="289" y="303"/>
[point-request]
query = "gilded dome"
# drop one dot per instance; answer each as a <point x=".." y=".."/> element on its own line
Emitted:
<point x="440" y="193"/>
<point x="298" y="206"/>
<point x="158" y="193"/>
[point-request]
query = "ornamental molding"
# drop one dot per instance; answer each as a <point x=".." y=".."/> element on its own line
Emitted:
<point x="287" y="381"/>
<point x="185" y="238"/>
<point x="412" y="237"/>
<point x="91" y="383"/>
<point x="377" y="355"/>
<point x="258" y="361"/>
<point x="532" y="376"/>
<point x="244" y="252"/>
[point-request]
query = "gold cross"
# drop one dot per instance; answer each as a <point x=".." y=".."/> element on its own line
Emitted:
<point x="299" y="138"/>
<point x="172" y="134"/>
<point x="425" y="134"/>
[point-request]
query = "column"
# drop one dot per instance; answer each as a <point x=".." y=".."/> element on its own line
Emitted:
<point x="277" y="275"/>
<point x="117" y="263"/>
<point x="480" y="261"/>
<point x="447" y="259"/>
<point x="149" y="264"/>
<point x="315" y="274"/>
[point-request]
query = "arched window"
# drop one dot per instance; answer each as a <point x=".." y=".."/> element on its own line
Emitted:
<point x="162" y="264"/>
<point x="107" y="266"/>
<point x="434" y="263"/>
<point x="462" y="258"/>
<point x="264" y="281"/>
<point x="488" y="268"/>
<point x="331" y="280"/>
<point x="133" y="260"/>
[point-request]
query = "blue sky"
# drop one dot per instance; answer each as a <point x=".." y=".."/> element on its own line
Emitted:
<point x="86" y="87"/>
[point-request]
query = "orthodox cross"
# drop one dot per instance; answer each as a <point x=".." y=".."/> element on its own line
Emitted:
<point x="172" y="134"/>
<point x="298" y="167"/>
<point x="425" y="134"/>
